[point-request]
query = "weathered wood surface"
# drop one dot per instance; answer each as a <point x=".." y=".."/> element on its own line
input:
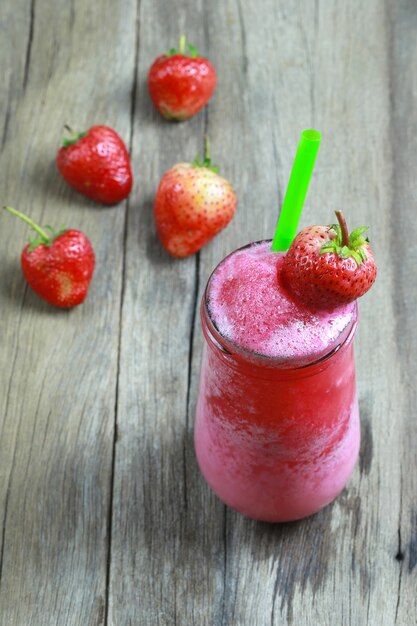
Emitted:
<point x="104" y="518"/>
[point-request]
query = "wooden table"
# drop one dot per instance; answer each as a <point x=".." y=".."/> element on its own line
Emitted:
<point x="104" y="517"/>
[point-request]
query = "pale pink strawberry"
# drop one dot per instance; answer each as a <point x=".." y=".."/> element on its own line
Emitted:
<point x="192" y="205"/>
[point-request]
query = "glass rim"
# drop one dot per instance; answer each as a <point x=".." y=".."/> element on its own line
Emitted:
<point x="257" y="359"/>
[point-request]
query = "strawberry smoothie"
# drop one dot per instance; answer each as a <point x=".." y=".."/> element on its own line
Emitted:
<point x="277" y="426"/>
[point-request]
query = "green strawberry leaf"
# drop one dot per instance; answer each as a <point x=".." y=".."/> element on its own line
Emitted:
<point x="206" y="162"/>
<point x="73" y="139"/>
<point x="56" y="233"/>
<point x="356" y="233"/>
<point x="51" y="230"/>
<point x="362" y="253"/>
<point x="181" y="50"/>
<point x="34" y="243"/>
<point x="356" y="256"/>
<point x="327" y="248"/>
<point x="355" y="241"/>
<point x="198" y="162"/>
<point x="193" y="50"/>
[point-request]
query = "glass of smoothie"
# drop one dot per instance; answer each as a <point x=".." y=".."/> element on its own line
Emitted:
<point x="277" y="426"/>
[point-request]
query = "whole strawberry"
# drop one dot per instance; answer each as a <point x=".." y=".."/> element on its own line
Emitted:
<point x="193" y="203"/>
<point x="58" y="267"/>
<point x="96" y="163"/>
<point x="181" y="85"/>
<point x="326" y="267"/>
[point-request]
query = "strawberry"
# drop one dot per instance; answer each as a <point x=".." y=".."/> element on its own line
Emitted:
<point x="193" y="203"/>
<point x="181" y="85"/>
<point x="96" y="163"/>
<point x="58" y="267"/>
<point x="326" y="267"/>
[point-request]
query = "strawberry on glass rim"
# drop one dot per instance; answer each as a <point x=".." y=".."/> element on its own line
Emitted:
<point x="326" y="267"/>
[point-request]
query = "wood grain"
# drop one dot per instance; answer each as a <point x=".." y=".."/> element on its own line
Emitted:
<point x="402" y="236"/>
<point x="104" y="517"/>
<point x="58" y="370"/>
<point x="310" y="71"/>
<point x="164" y="558"/>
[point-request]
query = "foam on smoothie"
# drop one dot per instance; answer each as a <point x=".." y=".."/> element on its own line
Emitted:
<point x="252" y="310"/>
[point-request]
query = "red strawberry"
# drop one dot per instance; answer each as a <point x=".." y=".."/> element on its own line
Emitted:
<point x="58" y="267"/>
<point x="326" y="267"/>
<point x="181" y="85"/>
<point x="96" y="163"/>
<point x="193" y="203"/>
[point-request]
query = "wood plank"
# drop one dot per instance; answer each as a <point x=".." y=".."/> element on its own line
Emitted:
<point x="304" y="67"/>
<point x="402" y="231"/>
<point x="311" y="71"/>
<point x="57" y="368"/>
<point x="166" y="565"/>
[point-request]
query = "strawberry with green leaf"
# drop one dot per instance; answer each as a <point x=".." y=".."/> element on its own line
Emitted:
<point x="57" y="266"/>
<point x="181" y="84"/>
<point x="192" y="205"/>
<point x="326" y="267"/>
<point x="96" y="163"/>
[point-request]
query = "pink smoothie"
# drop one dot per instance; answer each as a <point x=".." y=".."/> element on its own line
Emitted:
<point x="251" y="309"/>
<point x="277" y="428"/>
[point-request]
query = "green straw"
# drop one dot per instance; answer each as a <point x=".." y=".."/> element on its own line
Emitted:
<point x="296" y="190"/>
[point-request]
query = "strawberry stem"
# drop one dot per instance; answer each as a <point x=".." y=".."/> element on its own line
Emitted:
<point x="344" y="228"/>
<point x="192" y="50"/>
<point x="206" y="149"/>
<point x="71" y="132"/>
<point x="38" y="229"/>
<point x="74" y="136"/>
<point x="206" y="162"/>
